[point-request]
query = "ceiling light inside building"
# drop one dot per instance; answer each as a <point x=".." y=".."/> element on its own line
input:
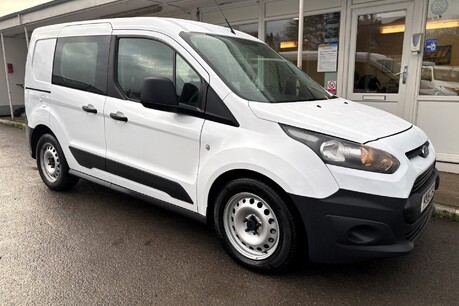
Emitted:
<point x="288" y="44"/>
<point x="431" y="25"/>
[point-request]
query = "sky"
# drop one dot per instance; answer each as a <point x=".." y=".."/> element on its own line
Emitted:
<point x="11" y="6"/>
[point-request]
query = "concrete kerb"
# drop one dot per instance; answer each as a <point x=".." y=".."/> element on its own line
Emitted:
<point x="447" y="212"/>
<point x="15" y="124"/>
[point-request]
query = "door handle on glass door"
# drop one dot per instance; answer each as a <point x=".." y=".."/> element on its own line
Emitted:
<point x="403" y="73"/>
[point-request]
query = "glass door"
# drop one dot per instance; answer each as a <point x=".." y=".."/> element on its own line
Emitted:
<point x="379" y="55"/>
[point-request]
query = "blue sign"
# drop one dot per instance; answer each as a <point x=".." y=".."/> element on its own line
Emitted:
<point x="431" y="45"/>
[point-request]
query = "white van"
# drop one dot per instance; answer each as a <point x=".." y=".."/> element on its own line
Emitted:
<point x="439" y="80"/>
<point x="221" y="128"/>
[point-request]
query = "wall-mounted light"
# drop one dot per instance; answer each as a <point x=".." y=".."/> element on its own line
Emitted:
<point x="398" y="28"/>
<point x="442" y="24"/>
<point x="431" y="25"/>
<point x="288" y="44"/>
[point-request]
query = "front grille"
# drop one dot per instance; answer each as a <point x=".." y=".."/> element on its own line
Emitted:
<point x="416" y="228"/>
<point x="416" y="152"/>
<point x="420" y="181"/>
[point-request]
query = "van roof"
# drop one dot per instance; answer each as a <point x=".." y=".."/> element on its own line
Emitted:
<point x="168" y="26"/>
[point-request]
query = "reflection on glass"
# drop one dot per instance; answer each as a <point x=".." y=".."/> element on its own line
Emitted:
<point x="139" y="59"/>
<point x="187" y="83"/>
<point x="440" y="67"/>
<point x="78" y="62"/>
<point x="255" y="72"/>
<point x="379" y="52"/>
<point x="249" y="28"/>
<point x="282" y="36"/>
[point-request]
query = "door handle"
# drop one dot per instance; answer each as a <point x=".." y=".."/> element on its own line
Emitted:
<point x="89" y="109"/>
<point x="403" y="73"/>
<point x="118" y="116"/>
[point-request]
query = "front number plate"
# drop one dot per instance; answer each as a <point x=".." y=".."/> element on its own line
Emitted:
<point x="427" y="197"/>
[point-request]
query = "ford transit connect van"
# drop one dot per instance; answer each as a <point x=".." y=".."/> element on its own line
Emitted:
<point x="221" y="128"/>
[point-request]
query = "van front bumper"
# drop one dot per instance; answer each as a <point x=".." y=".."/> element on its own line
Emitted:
<point x="351" y="226"/>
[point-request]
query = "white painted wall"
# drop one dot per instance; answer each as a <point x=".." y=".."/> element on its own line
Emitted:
<point x="16" y="54"/>
<point x="440" y="120"/>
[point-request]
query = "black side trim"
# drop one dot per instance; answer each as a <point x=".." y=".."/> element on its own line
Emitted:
<point x="172" y="188"/>
<point x="176" y="209"/>
<point x="90" y="160"/>
<point x="40" y="90"/>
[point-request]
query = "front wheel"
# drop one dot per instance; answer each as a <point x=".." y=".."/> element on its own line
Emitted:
<point x="255" y="225"/>
<point x="52" y="165"/>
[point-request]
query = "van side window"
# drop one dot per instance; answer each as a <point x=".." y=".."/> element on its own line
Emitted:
<point x="187" y="83"/>
<point x="81" y="63"/>
<point x="140" y="58"/>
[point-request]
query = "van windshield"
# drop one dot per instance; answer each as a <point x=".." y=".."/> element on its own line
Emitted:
<point x="254" y="71"/>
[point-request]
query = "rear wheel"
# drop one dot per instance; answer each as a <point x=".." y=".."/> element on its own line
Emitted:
<point x="255" y="225"/>
<point x="52" y="165"/>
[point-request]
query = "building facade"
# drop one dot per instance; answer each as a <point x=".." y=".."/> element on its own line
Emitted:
<point x="397" y="55"/>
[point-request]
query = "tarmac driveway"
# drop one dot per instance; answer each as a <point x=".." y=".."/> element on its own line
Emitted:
<point x="95" y="246"/>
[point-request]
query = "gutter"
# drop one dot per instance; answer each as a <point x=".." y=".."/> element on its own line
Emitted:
<point x="32" y="9"/>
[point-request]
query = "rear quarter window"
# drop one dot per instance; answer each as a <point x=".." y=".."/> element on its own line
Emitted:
<point x="81" y="63"/>
<point x="42" y="61"/>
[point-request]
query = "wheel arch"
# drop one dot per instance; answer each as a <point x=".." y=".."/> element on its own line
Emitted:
<point x="38" y="131"/>
<point x="230" y="175"/>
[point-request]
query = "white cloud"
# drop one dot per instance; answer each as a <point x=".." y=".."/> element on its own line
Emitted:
<point x="11" y="6"/>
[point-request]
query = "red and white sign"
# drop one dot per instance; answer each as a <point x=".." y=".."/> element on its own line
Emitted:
<point x="331" y="87"/>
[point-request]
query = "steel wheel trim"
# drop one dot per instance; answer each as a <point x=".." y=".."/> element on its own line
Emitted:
<point x="251" y="226"/>
<point x="50" y="164"/>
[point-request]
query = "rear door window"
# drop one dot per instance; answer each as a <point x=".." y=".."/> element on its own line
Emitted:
<point x="81" y="63"/>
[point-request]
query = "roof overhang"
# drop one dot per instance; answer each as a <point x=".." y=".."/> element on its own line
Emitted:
<point x="61" y="11"/>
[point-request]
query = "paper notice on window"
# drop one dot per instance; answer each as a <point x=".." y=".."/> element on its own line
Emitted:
<point x="327" y="57"/>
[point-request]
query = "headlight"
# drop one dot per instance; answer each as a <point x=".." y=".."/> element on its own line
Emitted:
<point x="345" y="153"/>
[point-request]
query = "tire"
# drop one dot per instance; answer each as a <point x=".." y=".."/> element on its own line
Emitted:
<point x="52" y="165"/>
<point x="255" y="226"/>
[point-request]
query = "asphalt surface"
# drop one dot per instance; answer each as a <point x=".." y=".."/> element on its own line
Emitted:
<point x="95" y="246"/>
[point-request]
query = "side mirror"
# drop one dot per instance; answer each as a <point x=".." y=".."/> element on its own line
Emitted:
<point x="159" y="93"/>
